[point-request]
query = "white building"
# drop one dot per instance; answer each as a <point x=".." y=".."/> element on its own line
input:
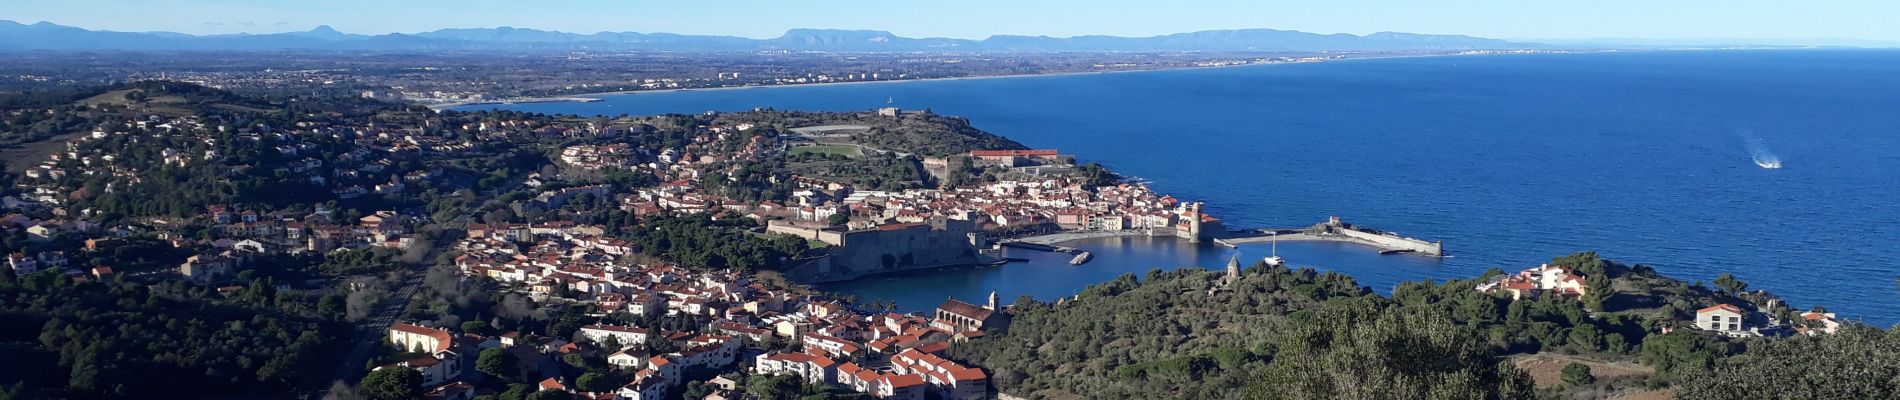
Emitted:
<point x="624" y="359"/>
<point x="1726" y="319"/>
<point x="1819" y="323"/>
<point x="624" y="335"/>
<point x="439" y="368"/>
<point x="814" y="369"/>
<point x="420" y="339"/>
<point x="644" y="388"/>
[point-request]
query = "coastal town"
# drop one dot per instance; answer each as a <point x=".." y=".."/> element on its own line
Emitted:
<point x="733" y="320"/>
<point x="1199" y="200"/>
<point x="641" y="257"/>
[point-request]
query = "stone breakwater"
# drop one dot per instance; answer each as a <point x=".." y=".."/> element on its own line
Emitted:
<point x="1335" y="231"/>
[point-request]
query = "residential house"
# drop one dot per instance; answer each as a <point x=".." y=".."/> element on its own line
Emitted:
<point x="1727" y="319"/>
<point x="623" y="336"/>
<point x="1534" y="282"/>
<point x="204" y="267"/>
<point x="436" y="369"/>
<point x="420" y="339"/>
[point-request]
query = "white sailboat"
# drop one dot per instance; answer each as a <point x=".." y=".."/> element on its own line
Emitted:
<point x="1274" y="260"/>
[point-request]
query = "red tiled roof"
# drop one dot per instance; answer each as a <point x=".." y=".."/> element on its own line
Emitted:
<point x="442" y="338"/>
<point x="627" y="329"/>
<point x="967" y="374"/>
<point x="849" y="368"/>
<point x="823" y="362"/>
<point x="1722" y="307"/>
<point x="904" y="380"/>
<point x="933" y="348"/>
<point x="959" y="307"/>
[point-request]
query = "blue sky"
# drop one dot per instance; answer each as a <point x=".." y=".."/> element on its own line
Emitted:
<point x="1509" y="19"/>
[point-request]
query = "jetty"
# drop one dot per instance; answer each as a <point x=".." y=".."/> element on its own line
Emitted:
<point x="1334" y="230"/>
<point x="1028" y="245"/>
<point x="1081" y="256"/>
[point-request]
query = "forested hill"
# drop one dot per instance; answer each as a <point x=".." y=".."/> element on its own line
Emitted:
<point x="35" y="116"/>
<point x="1277" y="333"/>
<point x="922" y="133"/>
<point x="1300" y="334"/>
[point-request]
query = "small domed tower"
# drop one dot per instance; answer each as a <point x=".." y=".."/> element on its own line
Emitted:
<point x="1233" y="269"/>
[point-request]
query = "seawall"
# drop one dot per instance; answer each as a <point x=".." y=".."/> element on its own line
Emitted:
<point x="1336" y="231"/>
<point x="1393" y="242"/>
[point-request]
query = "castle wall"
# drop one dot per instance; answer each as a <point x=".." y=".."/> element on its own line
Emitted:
<point x="945" y="243"/>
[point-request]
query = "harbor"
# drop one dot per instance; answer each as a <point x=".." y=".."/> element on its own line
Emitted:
<point x="1047" y="274"/>
<point x="1333" y="230"/>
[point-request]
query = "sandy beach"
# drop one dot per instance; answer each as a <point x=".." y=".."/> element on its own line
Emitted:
<point x="591" y="97"/>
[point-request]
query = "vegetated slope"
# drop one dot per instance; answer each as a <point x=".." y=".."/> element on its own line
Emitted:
<point x="1276" y="333"/>
<point x="919" y="133"/>
<point x="1282" y="334"/>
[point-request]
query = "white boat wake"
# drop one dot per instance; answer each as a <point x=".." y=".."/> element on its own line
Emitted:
<point x="1759" y="152"/>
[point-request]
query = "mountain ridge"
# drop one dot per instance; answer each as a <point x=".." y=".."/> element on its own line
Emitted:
<point x="49" y="36"/>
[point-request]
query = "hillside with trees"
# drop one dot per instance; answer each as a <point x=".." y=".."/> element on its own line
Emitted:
<point x="920" y="133"/>
<point x="1277" y="333"/>
<point x="1301" y="334"/>
<point x="700" y="241"/>
<point x="171" y="340"/>
<point x="1860" y="362"/>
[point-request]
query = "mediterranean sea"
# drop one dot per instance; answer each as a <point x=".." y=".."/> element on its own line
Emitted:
<point x="1645" y="157"/>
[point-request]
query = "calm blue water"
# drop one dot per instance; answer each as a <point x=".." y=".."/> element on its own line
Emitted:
<point x="1510" y="160"/>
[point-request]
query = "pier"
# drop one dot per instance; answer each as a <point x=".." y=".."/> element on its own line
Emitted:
<point x="1335" y="231"/>
<point x="1081" y="257"/>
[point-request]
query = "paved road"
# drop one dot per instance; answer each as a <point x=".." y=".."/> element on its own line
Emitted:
<point x="371" y="330"/>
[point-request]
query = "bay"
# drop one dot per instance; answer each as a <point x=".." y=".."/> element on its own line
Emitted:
<point x="1645" y="157"/>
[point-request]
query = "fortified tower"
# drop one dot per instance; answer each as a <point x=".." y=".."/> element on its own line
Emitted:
<point x="1194" y="221"/>
<point x="1188" y="226"/>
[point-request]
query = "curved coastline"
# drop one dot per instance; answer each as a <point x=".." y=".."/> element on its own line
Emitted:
<point x="599" y="96"/>
<point x="575" y="99"/>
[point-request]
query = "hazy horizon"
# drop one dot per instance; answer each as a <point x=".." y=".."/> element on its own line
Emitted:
<point x="1637" y="41"/>
<point x="1744" y="20"/>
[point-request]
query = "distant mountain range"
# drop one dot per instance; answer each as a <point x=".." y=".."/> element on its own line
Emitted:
<point x="49" y="36"/>
<point x="1639" y="43"/>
